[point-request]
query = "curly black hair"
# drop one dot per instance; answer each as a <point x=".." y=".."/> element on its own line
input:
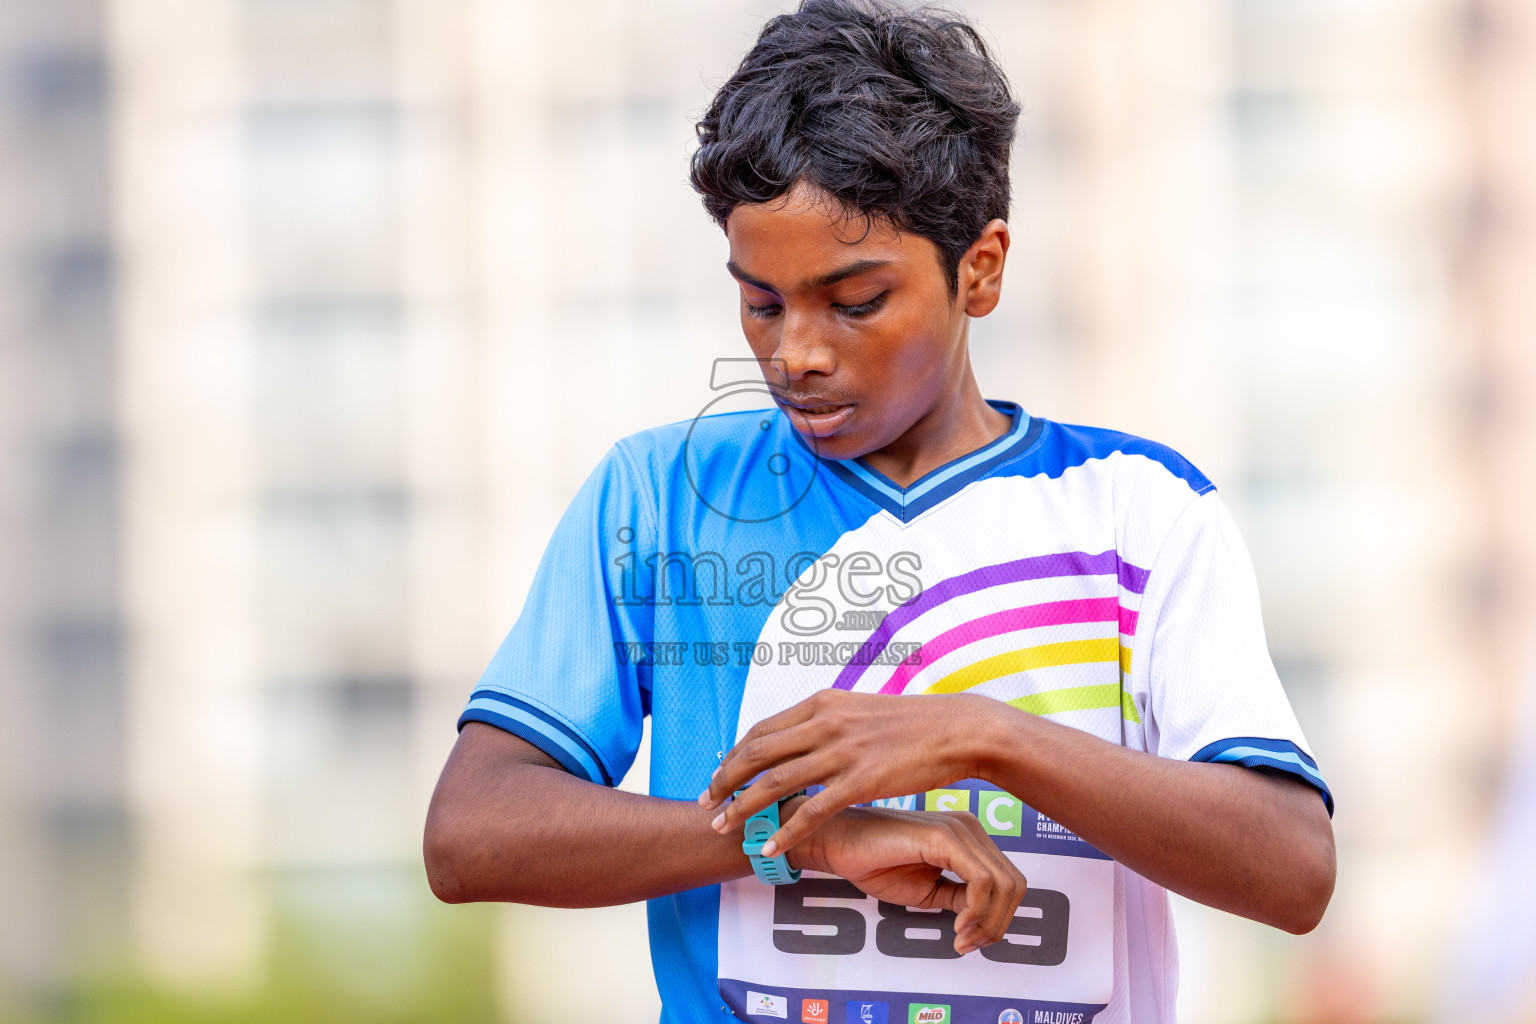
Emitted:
<point x="897" y="113"/>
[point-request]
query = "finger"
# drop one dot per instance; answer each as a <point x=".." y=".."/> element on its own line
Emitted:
<point x="796" y="714"/>
<point x="1008" y="884"/>
<point x="1008" y="892"/>
<point x="980" y="900"/>
<point x="748" y="759"/>
<point x="948" y="846"/>
<point x="776" y="783"/>
<point x="958" y="852"/>
<point x="1011" y="885"/>
<point x="992" y="919"/>
<point x="791" y="716"/>
<point x="1008" y="908"/>
<point x="992" y="892"/>
<point x="948" y="894"/>
<point x="808" y="817"/>
<point x="785" y="720"/>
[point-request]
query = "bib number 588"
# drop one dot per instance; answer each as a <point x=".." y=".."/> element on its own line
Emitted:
<point x="903" y="932"/>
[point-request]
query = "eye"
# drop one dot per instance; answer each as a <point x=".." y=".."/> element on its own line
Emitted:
<point x="863" y="308"/>
<point x="761" y="312"/>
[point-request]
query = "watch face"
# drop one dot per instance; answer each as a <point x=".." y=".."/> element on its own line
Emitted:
<point x="774" y="469"/>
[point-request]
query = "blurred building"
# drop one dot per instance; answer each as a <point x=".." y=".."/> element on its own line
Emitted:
<point x="315" y="313"/>
<point x="65" y="830"/>
<point x="300" y="519"/>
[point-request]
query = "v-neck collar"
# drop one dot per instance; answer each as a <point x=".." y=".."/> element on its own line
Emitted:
<point x="906" y="503"/>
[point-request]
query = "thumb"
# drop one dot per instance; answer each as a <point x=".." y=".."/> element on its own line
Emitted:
<point x="947" y="895"/>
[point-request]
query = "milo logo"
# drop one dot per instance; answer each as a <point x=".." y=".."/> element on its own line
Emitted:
<point x="927" y="1013"/>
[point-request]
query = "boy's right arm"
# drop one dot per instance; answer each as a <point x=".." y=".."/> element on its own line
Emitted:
<point x="508" y="824"/>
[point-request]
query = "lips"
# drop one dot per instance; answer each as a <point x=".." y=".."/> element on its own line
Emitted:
<point x="820" y="420"/>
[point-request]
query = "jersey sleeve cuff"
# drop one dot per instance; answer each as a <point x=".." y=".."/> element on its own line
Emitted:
<point x="540" y="728"/>
<point x="1277" y="755"/>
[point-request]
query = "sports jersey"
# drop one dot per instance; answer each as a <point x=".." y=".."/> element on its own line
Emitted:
<point x="710" y="574"/>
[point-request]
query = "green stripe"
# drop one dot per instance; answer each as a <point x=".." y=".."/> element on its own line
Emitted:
<point x="1073" y="698"/>
<point x="1128" y="708"/>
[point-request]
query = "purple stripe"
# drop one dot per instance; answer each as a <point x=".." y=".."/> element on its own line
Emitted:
<point x="1067" y="563"/>
<point x="1133" y="579"/>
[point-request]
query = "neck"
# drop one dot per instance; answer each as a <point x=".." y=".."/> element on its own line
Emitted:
<point x="957" y="425"/>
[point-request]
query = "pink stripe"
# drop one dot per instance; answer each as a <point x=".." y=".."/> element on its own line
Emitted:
<point x="1052" y="613"/>
<point x="1128" y="621"/>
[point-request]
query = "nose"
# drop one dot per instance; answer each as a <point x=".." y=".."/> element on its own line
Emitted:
<point x="803" y="348"/>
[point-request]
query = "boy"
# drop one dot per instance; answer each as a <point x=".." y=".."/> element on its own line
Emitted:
<point x="965" y="690"/>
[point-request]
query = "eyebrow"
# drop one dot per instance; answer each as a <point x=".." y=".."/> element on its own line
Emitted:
<point x="825" y="280"/>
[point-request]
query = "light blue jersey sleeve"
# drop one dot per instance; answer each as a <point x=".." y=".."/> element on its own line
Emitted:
<point x="566" y="679"/>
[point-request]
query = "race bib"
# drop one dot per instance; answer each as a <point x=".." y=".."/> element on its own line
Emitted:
<point x="822" y="952"/>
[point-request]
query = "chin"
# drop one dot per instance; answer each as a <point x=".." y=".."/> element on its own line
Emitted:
<point x="839" y="446"/>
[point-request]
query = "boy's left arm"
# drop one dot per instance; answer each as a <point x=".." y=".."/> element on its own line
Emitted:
<point x="1253" y="838"/>
<point x="1238" y="839"/>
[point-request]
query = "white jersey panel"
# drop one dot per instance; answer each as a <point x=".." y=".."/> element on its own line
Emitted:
<point x="1009" y="590"/>
<point x="1203" y="667"/>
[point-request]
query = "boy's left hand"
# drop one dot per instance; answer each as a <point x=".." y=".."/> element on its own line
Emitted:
<point x="860" y="746"/>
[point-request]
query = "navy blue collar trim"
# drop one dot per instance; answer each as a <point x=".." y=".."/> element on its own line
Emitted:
<point x="907" y="503"/>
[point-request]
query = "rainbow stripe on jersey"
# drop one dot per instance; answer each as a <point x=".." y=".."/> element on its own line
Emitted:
<point x="1109" y="650"/>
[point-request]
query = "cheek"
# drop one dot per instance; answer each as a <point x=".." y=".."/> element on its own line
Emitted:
<point x="760" y="338"/>
<point x="915" y="344"/>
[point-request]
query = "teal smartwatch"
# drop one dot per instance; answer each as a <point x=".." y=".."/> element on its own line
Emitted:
<point x="759" y="827"/>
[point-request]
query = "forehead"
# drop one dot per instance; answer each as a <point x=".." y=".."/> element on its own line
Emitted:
<point x="807" y="233"/>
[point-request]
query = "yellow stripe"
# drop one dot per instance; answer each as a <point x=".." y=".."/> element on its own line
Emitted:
<point x="1127" y="705"/>
<point x="1068" y="652"/>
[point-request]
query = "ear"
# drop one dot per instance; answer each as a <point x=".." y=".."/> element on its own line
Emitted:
<point x="981" y="270"/>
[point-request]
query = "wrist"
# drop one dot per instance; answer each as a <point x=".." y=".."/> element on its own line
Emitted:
<point x="807" y="854"/>
<point x="998" y="740"/>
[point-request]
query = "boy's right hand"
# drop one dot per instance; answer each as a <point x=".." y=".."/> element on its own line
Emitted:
<point x="900" y="857"/>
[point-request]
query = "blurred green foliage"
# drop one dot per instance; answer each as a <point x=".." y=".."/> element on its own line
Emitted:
<point x="345" y="945"/>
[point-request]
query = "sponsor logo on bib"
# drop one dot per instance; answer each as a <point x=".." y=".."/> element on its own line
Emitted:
<point x="1001" y="814"/>
<point x="765" y="1004"/>
<point x="868" y="1013"/>
<point x="1010" y="1016"/>
<point x="814" y="1011"/>
<point x="927" y="1013"/>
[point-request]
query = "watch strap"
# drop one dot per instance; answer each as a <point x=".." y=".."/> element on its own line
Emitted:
<point x="757" y="831"/>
